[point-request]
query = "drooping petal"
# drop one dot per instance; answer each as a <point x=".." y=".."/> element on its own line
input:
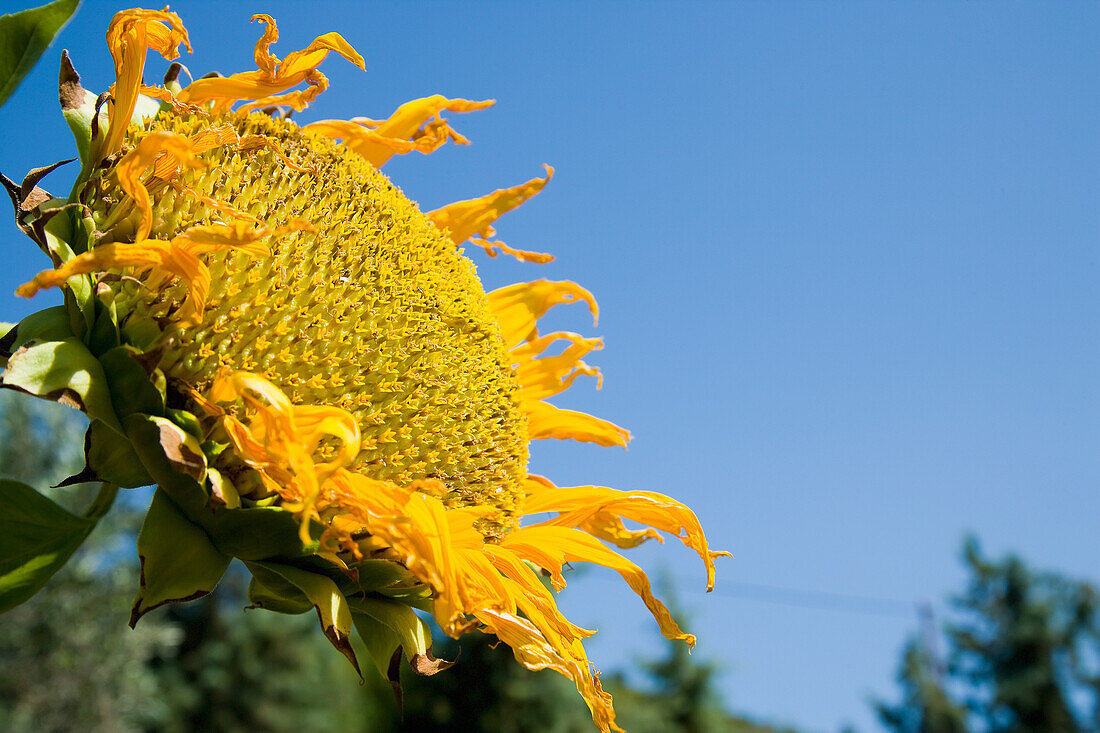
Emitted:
<point x="533" y="651"/>
<point x="550" y="547"/>
<point x="518" y="307"/>
<point x="265" y="85"/>
<point x="464" y="220"/>
<point x="130" y="34"/>
<point x="423" y="539"/>
<point x="599" y="510"/>
<point x="547" y="421"/>
<point x="409" y="128"/>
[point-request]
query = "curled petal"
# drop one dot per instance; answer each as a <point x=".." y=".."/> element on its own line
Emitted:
<point x="550" y="547"/>
<point x="177" y="258"/>
<point x="544" y="377"/>
<point x="547" y="421"/>
<point x="130" y="34"/>
<point x="411" y="127"/>
<point x="518" y="307"/>
<point x="474" y="217"/>
<point x="533" y="651"/>
<point x="220" y="206"/>
<point x="281" y="439"/>
<point x="272" y="76"/>
<point x="598" y="510"/>
<point x="423" y="539"/>
<point x="164" y="257"/>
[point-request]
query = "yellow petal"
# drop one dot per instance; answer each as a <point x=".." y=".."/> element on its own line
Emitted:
<point x="241" y="235"/>
<point x="547" y="421"/>
<point x="535" y="600"/>
<point x="219" y="206"/>
<point x="551" y="547"/>
<point x="523" y="255"/>
<point x="475" y="217"/>
<point x="598" y="509"/>
<point x="533" y="651"/>
<point x="130" y="34"/>
<point x="518" y="307"/>
<point x="166" y="257"/>
<point x="549" y="375"/>
<point x="174" y="151"/>
<point x="409" y="128"/>
<point x="273" y="76"/>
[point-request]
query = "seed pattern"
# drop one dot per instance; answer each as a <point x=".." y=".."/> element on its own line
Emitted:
<point x="374" y="311"/>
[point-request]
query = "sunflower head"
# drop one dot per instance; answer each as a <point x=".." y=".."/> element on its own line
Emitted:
<point x="305" y="364"/>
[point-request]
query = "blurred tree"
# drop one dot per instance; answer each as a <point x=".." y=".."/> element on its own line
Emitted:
<point x="1024" y="656"/>
<point x="926" y="706"/>
<point x="67" y="660"/>
<point x="1023" y="644"/>
<point x="253" y="671"/>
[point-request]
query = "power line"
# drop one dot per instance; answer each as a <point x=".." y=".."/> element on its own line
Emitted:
<point x="842" y="602"/>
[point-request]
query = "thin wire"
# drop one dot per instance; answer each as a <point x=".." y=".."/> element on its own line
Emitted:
<point x="869" y="605"/>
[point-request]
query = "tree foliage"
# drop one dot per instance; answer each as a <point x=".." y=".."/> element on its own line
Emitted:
<point x="1024" y="656"/>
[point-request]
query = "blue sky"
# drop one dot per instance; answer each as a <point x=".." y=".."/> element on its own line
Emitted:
<point x="846" y="256"/>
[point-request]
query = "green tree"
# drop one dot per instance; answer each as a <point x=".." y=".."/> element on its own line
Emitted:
<point x="926" y="706"/>
<point x="1024" y="649"/>
<point x="67" y="660"/>
<point x="1021" y="644"/>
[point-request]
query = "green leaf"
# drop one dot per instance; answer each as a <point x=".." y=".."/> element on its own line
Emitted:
<point x="48" y="324"/>
<point x="25" y="36"/>
<point x="37" y="537"/>
<point x="153" y="439"/>
<point x="178" y="560"/>
<point x="64" y="371"/>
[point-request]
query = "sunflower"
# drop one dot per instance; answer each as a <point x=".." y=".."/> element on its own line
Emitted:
<point x="307" y="367"/>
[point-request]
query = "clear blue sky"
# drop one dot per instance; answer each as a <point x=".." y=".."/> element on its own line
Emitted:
<point x="847" y="260"/>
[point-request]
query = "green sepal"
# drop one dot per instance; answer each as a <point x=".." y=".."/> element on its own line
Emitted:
<point x="260" y="533"/>
<point x="272" y="592"/>
<point x="173" y="458"/>
<point x="48" y="324"/>
<point x="387" y="628"/>
<point x="25" y="36"/>
<point x="325" y="596"/>
<point x="102" y="336"/>
<point x="64" y="371"/>
<point x="178" y="560"/>
<point x="130" y="385"/>
<point x="37" y="537"/>
<point x="109" y="456"/>
<point x="142" y="332"/>
<point x="378" y="575"/>
<point x="385" y="625"/>
<point x="59" y="231"/>
<point x="189" y="423"/>
<point x="78" y="109"/>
